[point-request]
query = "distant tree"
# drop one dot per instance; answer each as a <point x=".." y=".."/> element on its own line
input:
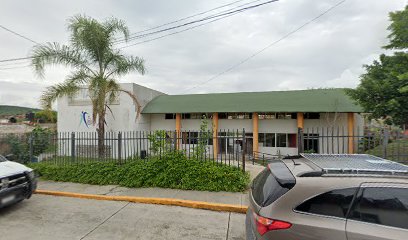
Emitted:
<point x="383" y="89"/>
<point x="96" y="65"/>
<point x="46" y="116"/>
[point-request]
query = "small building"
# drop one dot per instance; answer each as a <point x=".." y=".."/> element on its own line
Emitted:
<point x="272" y="121"/>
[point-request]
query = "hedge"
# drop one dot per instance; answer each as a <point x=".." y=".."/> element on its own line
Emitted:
<point x="172" y="171"/>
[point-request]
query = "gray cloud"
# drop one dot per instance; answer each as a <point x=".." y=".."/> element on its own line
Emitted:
<point x="327" y="53"/>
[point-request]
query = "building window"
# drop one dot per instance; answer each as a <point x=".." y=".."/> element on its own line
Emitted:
<point x="311" y="115"/>
<point x="186" y="116"/>
<point x="311" y="143"/>
<point x="170" y="116"/>
<point x="195" y="137"/>
<point x="267" y="139"/>
<point x="281" y="140"/>
<point x="190" y="138"/>
<point x="235" y="115"/>
<point x="278" y="139"/>
<point x="279" y="115"/>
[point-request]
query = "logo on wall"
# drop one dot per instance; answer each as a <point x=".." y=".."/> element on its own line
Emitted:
<point x="85" y="119"/>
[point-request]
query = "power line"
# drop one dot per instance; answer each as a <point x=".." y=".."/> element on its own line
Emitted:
<point x="18" y="34"/>
<point x="185" y="18"/>
<point x="217" y="18"/>
<point x="15" y="59"/>
<point x="268" y="46"/>
<point x="149" y="40"/>
<point x="173" y="33"/>
<point x="14" y="63"/>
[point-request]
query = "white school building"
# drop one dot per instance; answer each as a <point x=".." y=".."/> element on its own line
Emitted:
<point x="272" y="120"/>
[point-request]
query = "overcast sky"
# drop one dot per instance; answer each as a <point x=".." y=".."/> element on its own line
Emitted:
<point x="327" y="53"/>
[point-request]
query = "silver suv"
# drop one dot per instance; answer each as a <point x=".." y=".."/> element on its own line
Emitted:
<point x="336" y="197"/>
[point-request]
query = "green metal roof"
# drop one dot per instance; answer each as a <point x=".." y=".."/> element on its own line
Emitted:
<point x="315" y="100"/>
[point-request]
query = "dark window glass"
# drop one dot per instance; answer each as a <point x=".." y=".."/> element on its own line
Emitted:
<point x="186" y="116"/>
<point x="261" y="138"/>
<point x="222" y="116"/>
<point x="281" y="140"/>
<point x="170" y="116"/>
<point x="385" y="206"/>
<point x="334" y="203"/>
<point x="265" y="188"/>
<point x="312" y="115"/>
<point x="269" y="140"/>
<point x="190" y="138"/>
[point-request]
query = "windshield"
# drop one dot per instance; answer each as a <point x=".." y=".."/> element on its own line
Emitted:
<point x="2" y="159"/>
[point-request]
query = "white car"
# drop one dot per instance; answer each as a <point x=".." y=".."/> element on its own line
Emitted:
<point x="17" y="182"/>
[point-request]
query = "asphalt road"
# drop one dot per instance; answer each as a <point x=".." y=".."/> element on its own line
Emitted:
<point x="49" y="217"/>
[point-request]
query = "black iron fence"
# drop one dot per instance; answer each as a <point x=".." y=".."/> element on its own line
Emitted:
<point x="226" y="147"/>
<point x="381" y="142"/>
<point x="231" y="147"/>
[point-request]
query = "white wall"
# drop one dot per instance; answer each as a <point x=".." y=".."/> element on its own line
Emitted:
<point x="159" y="123"/>
<point x="124" y="112"/>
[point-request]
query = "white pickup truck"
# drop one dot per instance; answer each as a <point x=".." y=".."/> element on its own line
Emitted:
<point x="17" y="182"/>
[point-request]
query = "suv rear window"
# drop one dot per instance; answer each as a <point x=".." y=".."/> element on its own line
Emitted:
<point x="335" y="203"/>
<point x="381" y="205"/>
<point x="266" y="189"/>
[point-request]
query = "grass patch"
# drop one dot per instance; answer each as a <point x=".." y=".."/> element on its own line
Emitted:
<point x="172" y="171"/>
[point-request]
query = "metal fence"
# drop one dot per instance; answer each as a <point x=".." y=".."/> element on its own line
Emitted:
<point x="381" y="142"/>
<point x="231" y="147"/>
<point x="84" y="147"/>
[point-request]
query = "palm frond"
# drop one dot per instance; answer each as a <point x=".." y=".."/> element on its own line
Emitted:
<point x="120" y="65"/>
<point x="112" y="89"/>
<point x="135" y="100"/>
<point x="54" y="53"/>
<point x="52" y="93"/>
<point x="80" y="77"/>
<point x="113" y="26"/>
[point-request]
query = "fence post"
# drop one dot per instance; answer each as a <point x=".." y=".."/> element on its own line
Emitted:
<point x="31" y="139"/>
<point x="73" y="146"/>
<point x="243" y="149"/>
<point x="385" y="142"/>
<point x="120" y="147"/>
<point x="300" y="141"/>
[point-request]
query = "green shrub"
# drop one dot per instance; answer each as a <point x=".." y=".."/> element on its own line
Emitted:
<point x="171" y="171"/>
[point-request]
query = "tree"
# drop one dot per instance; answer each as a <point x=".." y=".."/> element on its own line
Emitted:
<point x="96" y="65"/>
<point x="383" y="89"/>
<point x="46" y="116"/>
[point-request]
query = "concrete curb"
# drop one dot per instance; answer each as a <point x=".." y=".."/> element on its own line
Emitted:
<point x="162" y="201"/>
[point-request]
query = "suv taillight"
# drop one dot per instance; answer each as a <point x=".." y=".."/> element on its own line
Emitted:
<point x="264" y="225"/>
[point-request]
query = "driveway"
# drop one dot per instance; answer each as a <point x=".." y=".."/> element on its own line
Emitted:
<point x="49" y="217"/>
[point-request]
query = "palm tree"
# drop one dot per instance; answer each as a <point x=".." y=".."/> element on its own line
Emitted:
<point x="96" y="66"/>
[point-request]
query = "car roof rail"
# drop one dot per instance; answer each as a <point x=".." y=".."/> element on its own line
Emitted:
<point x="352" y="164"/>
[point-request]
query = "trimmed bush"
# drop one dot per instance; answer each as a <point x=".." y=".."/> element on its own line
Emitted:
<point x="172" y="171"/>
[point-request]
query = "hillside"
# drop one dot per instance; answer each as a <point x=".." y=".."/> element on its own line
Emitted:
<point x="15" y="110"/>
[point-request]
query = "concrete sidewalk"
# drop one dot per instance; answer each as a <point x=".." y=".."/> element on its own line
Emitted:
<point x="112" y="190"/>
